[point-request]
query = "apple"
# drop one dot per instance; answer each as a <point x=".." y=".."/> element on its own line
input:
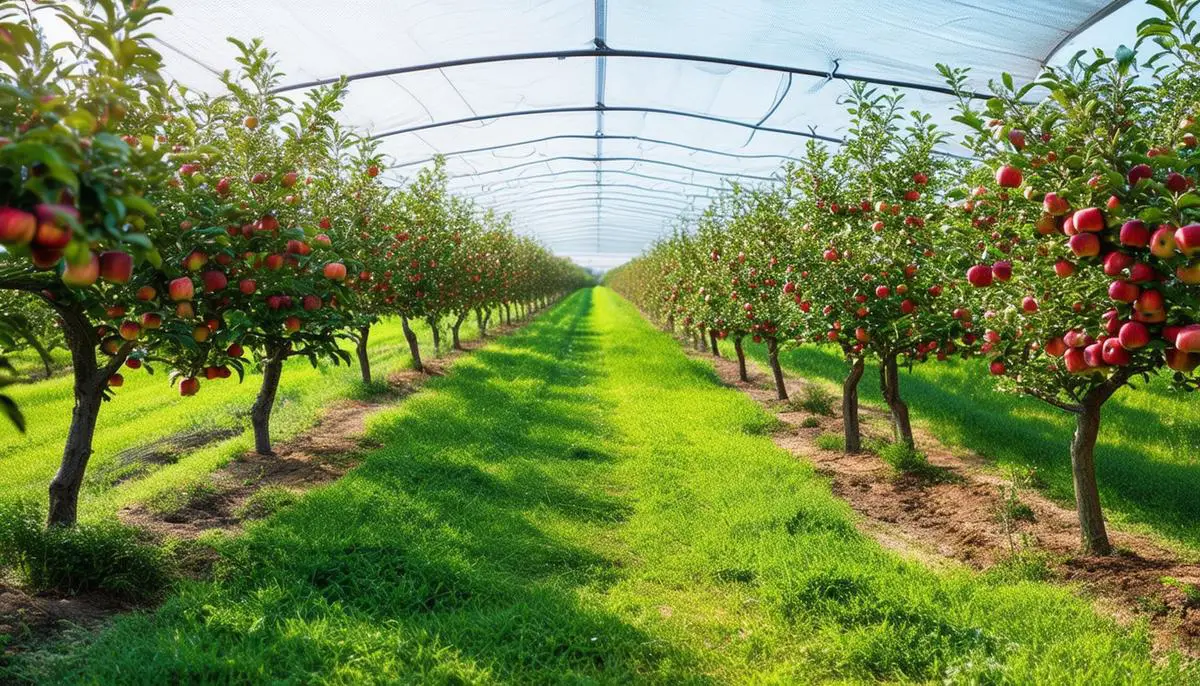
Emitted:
<point x="997" y="368"/>
<point x="1074" y="360"/>
<point x="1150" y="316"/>
<point x="81" y="275"/>
<point x="1138" y="172"/>
<point x="1084" y="245"/>
<point x="274" y="262"/>
<point x="289" y="179"/>
<point x="831" y="255"/>
<point x="195" y="260"/>
<point x="181" y="289"/>
<point x="1141" y="272"/>
<point x="291" y="324"/>
<point x="372" y="171"/>
<point x="882" y="291"/>
<point x="1150" y="301"/>
<point x="116" y="381"/>
<point x="52" y="236"/>
<point x="1181" y="361"/>
<point x="1112" y="322"/>
<point x="17" y="227"/>
<point x="1187" y="239"/>
<point x="1176" y="182"/>
<point x="907" y="306"/>
<point x="1189" y="273"/>
<point x="214" y="281"/>
<point x="1029" y="304"/>
<point x="130" y="331"/>
<point x="151" y="320"/>
<point x="1112" y="352"/>
<point x="1055" y="205"/>
<point x="1017" y="138"/>
<point x="146" y="293"/>
<point x="311" y="302"/>
<point x="1002" y="270"/>
<point x="250" y="123"/>
<point x="114" y="311"/>
<point x="116" y="266"/>
<point x="200" y="333"/>
<point x="322" y="240"/>
<point x="1093" y="355"/>
<point x="189" y="386"/>
<point x="1123" y="291"/>
<point x="259" y="178"/>
<point x="1162" y="243"/>
<point x="1116" y="262"/>
<point x="1088" y="220"/>
<point x="247" y="286"/>
<point x="1135" y="234"/>
<point x="268" y="222"/>
<point x="223" y="185"/>
<point x="133" y="363"/>
<point x="1063" y="269"/>
<point x="1056" y="347"/>
<point x="980" y="276"/>
<point x="1188" y="340"/>
<point x="1134" y="335"/>
<point x="234" y="350"/>
<point x="1008" y="176"/>
<point x="335" y="271"/>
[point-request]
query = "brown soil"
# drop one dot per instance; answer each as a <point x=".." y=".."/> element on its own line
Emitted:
<point x="332" y="447"/>
<point x="954" y="515"/>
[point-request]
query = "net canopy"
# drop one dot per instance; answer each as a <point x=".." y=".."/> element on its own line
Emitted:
<point x="596" y="123"/>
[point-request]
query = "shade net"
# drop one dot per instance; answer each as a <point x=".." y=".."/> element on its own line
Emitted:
<point x="519" y="126"/>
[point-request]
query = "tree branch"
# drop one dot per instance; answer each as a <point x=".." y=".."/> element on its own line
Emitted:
<point x="1051" y="400"/>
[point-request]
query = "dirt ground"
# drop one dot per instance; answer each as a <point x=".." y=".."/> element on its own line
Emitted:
<point x="961" y="513"/>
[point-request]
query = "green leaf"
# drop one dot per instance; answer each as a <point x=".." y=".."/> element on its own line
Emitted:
<point x="10" y="409"/>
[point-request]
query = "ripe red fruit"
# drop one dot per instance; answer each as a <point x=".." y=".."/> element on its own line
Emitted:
<point x="129" y="330"/>
<point x="919" y="179"/>
<point x="1176" y="182"/>
<point x="997" y="368"/>
<point x="1093" y="355"/>
<point x="1150" y="301"/>
<point x="311" y="302"/>
<point x="223" y="185"/>
<point x="195" y="260"/>
<point x="1116" y="262"/>
<point x="289" y="179"/>
<point x="1134" y="335"/>
<point x="1162" y="243"/>
<point x="1141" y="272"/>
<point x="133" y="363"/>
<point x="935" y="290"/>
<point x="1187" y="239"/>
<point x="1002" y="270"/>
<point x="335" y="271"/>
<point x="259" y="178"/>
<point x="146" y="293"/>
<point x="1181" y="361"/>
<point x="831" y="255"/>
<point x="214" y="281"/>
<point x="1139" y="172"/>
<point x="372" y="171"/>
<point x="907" y="306"/>
<point x="116" y="381"/>
<point x="1123" y="291"/>
<point x="322" y="240"/>
<point x="1063" y="269"/>
<point x="1084" y="245"/>
<point x="912" y="196"/>
<point x="1008" y="177"/>
<point x="980" y="275"/>
<point x="1055" y="205"/>
<point x="1074" y="360"/>
<point x="234" y="350"/>
<point x="1055" y="347"/>
<point x="1029" y="304"/>
<point x="151" y="320"/>
<point x="116" y="266"/>
<point x="1088" y="220"/>
<point x="247" y="286"/>
<point x="181" y="289"/>
<point x="1135" y="234"/>
<point x="1112" y="352"/>
<point x="16" y="226"/>
<point x="81" y="275"/>
<point x="1017" y="138"/>
<point x="274" y="262"/>
<point x="291" y="324"/>
<point x="882" y="291"/>
<point x="189" y="386"/>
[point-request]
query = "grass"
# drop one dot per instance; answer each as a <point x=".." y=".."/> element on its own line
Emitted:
<point x="1146" y="460"/>
<point x="581" y="503"/>
<point x="147" y="411"/>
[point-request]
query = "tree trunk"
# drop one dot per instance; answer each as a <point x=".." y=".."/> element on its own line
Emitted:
<point x="773" y="358"/>
<point x="889" y="382"/>
<point x="671" y="323"/>
<point x="479" y="323"/>
<point x="437" y="335"/>
<point x="741" y="355"/>
<point x="90" y="381"/>
<point x="507" y="315"/>
<point x="414" y="348"/>
<point x="364" y="360"/>
<point x="487" y="318"/>
<point x="454" y="330"/>
<point x="260" y="413"/>
<point x="1083" y="469"/>
<point x="850" y="426"/>
<point x="712" y="337"/>
<point x="702" y="341"/>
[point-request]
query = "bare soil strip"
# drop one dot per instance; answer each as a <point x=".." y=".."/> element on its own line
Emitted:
<point x="956" y="517"/>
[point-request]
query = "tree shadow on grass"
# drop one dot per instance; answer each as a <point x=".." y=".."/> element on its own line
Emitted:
<point x="962" y="408"/>
<point x="449" y="555"/>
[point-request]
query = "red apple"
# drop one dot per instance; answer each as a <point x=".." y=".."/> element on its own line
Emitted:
<point x="1084" y="245"/>
<point x="1008" y="177"/>
<point x="1150" y="301"/>
<point x="335" y="271"/>
<point x="17" y="227"/>
<point x="274" y="262"/>
<point x="997" y="368"/>
<point x="130" y="330"/>
<point x="146" y="293"/>
<point x="181" y="289"/>
<point x="1055" y="347"/>
<point x="247" y="286"/>
<point x="291" y="324"/>
<point x="1063" y="269"/>
<point x="116" y="266"/>
<point x="1029" y="304"/>
<point x="214" y="281"/>
<point x="980" y="276"/>
<point x="1002" y="270"/>
<point x="1134" y="335"/>
<point x="907" y="306"/>
<point x="1176" y="182"/>
<point x="81" y="275"/>
<point x="1141" y="272"/>
<point x="1135" y="234"/>
<point x="1188" y="340"/>
<point x="1055" y="205"/>
<point x="1187" y="239"/>
<point x="1017" y="138"/>
<point x="322" y="240"/>
<point x="1116" y="262"/>
<point x="1088" y="220"/>
<point x="882" y="291"/>
<point x="289" y="179"/>
<point x="189" y="386"/>
<point x="234" y="350"/>
<point x="1162" y="243"/>
<point x="1189" y="273"/>
<point x="1123" y="291"/>
<point x="1139" y="172"/>
<point x="1074" y="360"/>
<point x="1181" y="361"/>
<point x="200" y="333"/>
<point x="195" y="260"/>
<point x="1112" y="352"/>
<point x="116" y="381"/>
<point x="1093" y="355"/>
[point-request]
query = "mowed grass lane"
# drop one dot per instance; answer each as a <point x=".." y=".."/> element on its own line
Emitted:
<point x="581" y="503"/>
<point x="1147" y="458"/>
<point x="146" y="409"/>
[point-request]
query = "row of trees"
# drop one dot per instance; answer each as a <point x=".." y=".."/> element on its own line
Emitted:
<point x="204" y="233"/>
<point x="1067" y="252"/>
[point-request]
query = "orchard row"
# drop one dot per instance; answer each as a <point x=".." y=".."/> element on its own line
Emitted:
<point x="1066" y="251"/>
<point x="206" y="233"/>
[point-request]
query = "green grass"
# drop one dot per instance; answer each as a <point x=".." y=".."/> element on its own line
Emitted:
<point x="1146" y="460"/>
<point x="147" y="410"/>
<point x="581" y="503"/>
